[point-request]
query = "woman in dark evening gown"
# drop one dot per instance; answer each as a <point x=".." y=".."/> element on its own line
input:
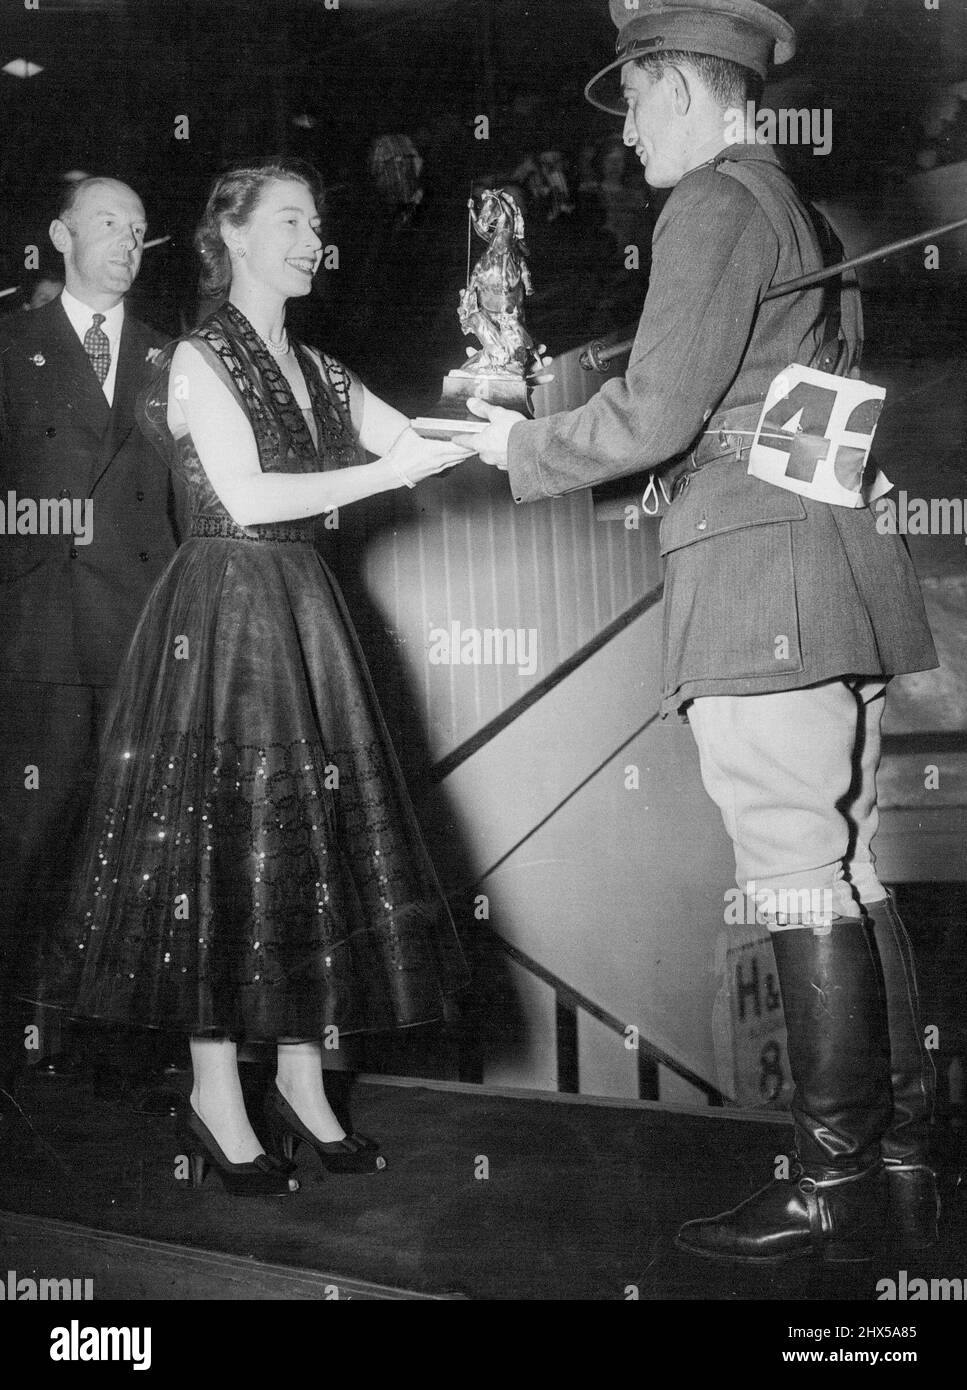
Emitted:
<point x="253" y="868"/>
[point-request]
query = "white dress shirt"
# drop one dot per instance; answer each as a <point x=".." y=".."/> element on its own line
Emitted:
<point x="82" y="318"/>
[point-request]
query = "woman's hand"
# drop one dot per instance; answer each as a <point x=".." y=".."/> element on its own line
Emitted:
<point x="413" y="458"/>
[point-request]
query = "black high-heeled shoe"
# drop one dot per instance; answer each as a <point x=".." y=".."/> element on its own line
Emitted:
<point x="265" y="1176"/>
<point x="363" y="1141"/>
<point x="286" y="1132"/>
<point x="337" y="1088"/>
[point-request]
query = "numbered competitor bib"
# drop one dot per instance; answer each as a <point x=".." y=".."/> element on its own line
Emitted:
<point x="815" y="434"/>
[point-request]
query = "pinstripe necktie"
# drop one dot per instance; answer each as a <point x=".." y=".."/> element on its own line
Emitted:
<point x="98" y="348"/>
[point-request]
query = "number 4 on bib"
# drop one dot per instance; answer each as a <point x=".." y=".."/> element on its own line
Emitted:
<point x="815" y="435"/>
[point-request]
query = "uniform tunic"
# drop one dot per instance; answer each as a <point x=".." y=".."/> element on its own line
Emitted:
<point x="764" y="590"/>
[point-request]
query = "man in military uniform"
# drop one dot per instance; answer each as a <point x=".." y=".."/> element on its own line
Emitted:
<point x="785" y="616"/>
<point x="69" y="377"/>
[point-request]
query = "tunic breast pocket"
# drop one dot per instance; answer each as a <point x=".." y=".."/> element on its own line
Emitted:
<point x="731" y="610"/>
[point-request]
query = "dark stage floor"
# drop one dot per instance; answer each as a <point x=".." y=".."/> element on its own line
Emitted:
<point x="580" y="1201"/>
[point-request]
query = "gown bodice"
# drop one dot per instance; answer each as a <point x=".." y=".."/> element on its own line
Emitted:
<point x="283" y="433"/>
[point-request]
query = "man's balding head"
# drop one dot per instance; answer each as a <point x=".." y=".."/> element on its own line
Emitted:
<point x="79" y="189"/>
<point x="100" y="233"/>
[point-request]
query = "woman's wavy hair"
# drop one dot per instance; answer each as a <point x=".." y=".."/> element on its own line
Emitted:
<point x="233" y="198"/>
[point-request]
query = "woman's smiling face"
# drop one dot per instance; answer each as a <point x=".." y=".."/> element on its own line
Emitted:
<point x="281" y="239"/>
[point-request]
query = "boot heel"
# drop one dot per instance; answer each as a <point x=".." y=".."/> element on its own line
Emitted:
<point x="914" y="1207"/>
<point x="856" y="1211"/>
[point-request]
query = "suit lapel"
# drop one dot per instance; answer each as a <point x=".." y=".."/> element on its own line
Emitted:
<point x="83" y="387"/>
<point x="127" y="382"/>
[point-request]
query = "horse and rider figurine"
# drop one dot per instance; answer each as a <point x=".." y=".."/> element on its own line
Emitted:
<point x="492" y="309"/>
<point x="492" y="306"/>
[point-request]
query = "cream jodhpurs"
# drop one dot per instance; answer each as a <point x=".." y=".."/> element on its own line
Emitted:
<point x="794" y="776"/>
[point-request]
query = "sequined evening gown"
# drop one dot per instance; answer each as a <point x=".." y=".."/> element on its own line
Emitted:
<point x="252" y="863"/>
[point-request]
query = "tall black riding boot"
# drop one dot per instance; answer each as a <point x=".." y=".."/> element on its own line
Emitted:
<point x="834" y="1204"/>
<point x="911" y="1181"/>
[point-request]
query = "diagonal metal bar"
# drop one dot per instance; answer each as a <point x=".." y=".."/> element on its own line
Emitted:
<point x="574" y="999"/>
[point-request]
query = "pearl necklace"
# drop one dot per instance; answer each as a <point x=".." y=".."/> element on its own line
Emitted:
<point x="278" y="347"/>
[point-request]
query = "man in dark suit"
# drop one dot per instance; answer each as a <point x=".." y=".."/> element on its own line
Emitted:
<point x="89" y="524"/>
<point x="786" y="611"/>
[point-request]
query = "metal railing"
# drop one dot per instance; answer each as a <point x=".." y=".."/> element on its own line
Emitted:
<point x="569" y="1003"/>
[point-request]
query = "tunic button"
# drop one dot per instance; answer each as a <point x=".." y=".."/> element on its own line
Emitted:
<point x="64" y="492"/>
<point x="140" y="496"/>
<point x="143" y="555"/>
<point x="73" y="552"/>
<point x="50" y="431"/>
<point x="702" y="526"/>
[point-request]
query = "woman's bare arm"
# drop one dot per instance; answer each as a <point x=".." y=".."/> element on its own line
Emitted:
<point x="226" y="446"/>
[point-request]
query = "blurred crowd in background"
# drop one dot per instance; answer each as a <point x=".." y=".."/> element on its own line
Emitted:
<point x="397" y="143"/>
<point x="388" y="300"/>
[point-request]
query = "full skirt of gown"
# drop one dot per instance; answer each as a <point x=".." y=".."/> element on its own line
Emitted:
<point x="252" y="864"/>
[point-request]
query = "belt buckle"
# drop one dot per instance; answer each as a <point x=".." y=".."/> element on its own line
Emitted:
<point x="725" y="436"/>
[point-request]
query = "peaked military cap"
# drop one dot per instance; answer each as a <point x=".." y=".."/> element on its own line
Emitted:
<point x="742" y="31"/>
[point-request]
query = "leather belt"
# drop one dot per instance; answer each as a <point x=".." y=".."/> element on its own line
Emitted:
<point x="727" y="438"/>
<point x="727" y="435"/>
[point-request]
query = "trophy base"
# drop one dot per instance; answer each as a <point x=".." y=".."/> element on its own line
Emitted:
<point x="450" y="416"/>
